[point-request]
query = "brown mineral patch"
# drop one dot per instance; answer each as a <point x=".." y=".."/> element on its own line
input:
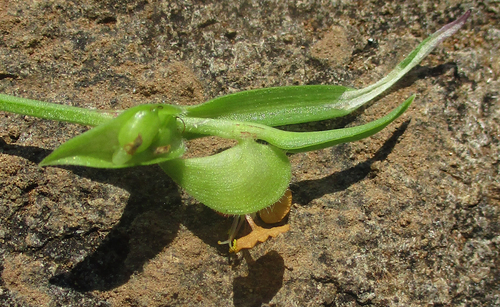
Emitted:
<point x="175" y="81"/>
<point x="161" y="282"/>
<point x="22" y="276"/>
<point x="334" y="47"/>
<point x="207" y="146"/>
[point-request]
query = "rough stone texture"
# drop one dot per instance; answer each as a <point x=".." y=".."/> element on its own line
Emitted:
<point x="409" y="217"/>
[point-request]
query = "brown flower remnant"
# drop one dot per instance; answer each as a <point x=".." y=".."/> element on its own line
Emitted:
<point x="257" y="235"/>
<point x="277" y="212"/>
<point x="270" y="215"/>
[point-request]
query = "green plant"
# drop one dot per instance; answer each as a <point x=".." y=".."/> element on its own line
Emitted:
<point x="242" y="180"/>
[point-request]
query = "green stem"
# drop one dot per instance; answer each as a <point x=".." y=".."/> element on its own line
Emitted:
<point x="53" y="111"/>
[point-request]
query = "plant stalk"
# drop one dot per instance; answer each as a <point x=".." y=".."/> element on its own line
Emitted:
<point x="54" y="111"/>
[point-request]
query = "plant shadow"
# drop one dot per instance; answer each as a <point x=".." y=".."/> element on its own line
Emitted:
<point x="307" y="190"/>
<point x="264" y="280"/>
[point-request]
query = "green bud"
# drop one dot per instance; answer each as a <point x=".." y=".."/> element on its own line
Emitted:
<point x="138" y="133"/>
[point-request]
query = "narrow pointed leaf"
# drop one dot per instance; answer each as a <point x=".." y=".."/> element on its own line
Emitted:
<point x="279" y="106"/>
<point x="275" y="106"/>
<point x="354" y="99"/>
<point x="291" y="141"/>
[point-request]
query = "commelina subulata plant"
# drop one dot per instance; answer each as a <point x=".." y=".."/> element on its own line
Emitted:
<point x="253" y="176"/>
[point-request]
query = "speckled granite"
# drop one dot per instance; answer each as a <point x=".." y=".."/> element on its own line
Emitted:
<point x="409" y="217"/>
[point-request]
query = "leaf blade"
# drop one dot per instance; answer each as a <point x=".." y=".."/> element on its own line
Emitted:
<point x="275" y="106"/>
<point x="286" y="105"/>
<point x="354" y="99"/>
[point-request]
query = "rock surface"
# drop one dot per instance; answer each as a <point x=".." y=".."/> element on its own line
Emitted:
<point x="408" y="217"/>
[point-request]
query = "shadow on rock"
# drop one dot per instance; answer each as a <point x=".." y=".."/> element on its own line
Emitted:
<point x="209" y="226"/>
<point x="265" y="278"/>
<point x="149" y="222"/>
<point x="307" y="190"/>
<point x="124" y="251"/>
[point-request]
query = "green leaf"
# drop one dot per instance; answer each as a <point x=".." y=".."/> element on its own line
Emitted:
<point x="354" y="99"/>
<point x="278" y="106"/>
<point x="241" y="180"/>
<point x="143" y="135"/>
<point x="275" y="106"/>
